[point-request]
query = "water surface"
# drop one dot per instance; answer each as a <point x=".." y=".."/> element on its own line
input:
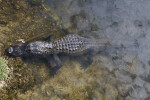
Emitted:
<point x="119" y="71"/>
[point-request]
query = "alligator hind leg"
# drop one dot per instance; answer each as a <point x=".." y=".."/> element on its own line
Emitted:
<point x="87" y="59"/>
<point x="55" y="64"/>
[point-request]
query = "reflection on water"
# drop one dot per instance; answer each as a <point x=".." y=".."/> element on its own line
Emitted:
<point x="117" y="72"/>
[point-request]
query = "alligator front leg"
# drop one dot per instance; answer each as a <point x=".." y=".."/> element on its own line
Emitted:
<point x="49" y="38"/>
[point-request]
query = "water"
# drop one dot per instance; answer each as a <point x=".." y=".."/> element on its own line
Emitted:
<point x="118" y="72"/>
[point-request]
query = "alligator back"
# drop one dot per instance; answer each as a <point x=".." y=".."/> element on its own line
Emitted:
<point x="70" y="44"/>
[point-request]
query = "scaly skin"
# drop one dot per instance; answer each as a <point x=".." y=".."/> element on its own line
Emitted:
<point x="70" y="44"/>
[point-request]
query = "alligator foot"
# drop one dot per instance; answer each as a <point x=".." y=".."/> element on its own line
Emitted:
<point x="55" y="64"/>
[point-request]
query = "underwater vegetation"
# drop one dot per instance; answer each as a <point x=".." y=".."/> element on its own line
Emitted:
<point x="4" y="69"/>
<point x="36" y="2"/>
<point x="5" y="75"/>
<point x="22" y="20"/>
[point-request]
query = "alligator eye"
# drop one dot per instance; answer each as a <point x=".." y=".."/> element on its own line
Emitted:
<point x="10" y="50"/>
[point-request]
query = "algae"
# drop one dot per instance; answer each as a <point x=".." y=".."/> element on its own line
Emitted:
<point x="22" y="20"/>
<point x="74" y="83"/>
<point x="4" y="69"/>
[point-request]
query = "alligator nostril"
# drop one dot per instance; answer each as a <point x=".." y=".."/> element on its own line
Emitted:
<point x="10" y="50"/>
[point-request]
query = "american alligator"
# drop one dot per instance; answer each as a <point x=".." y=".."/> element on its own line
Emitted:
<point x="71" y="44"/>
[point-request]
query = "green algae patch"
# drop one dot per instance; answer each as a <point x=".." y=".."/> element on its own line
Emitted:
<point x="4" y="69"/>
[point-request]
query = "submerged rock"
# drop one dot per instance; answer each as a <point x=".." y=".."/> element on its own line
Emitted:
<point x="138" y="82"/>
<point x="139" y="93"/>
<point x="147" y="87"/>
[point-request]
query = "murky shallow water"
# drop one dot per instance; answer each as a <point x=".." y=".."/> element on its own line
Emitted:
<point x="117" y="73"/>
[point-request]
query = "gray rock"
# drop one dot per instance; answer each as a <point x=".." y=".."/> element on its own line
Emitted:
<point x="147" y="87"/>
<point x="129" y="98"/>
<point x="138" y="82"/>
<point x="124" y="89"/>
<point x="123" y="77"/>
<point x="138" y="93"/>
